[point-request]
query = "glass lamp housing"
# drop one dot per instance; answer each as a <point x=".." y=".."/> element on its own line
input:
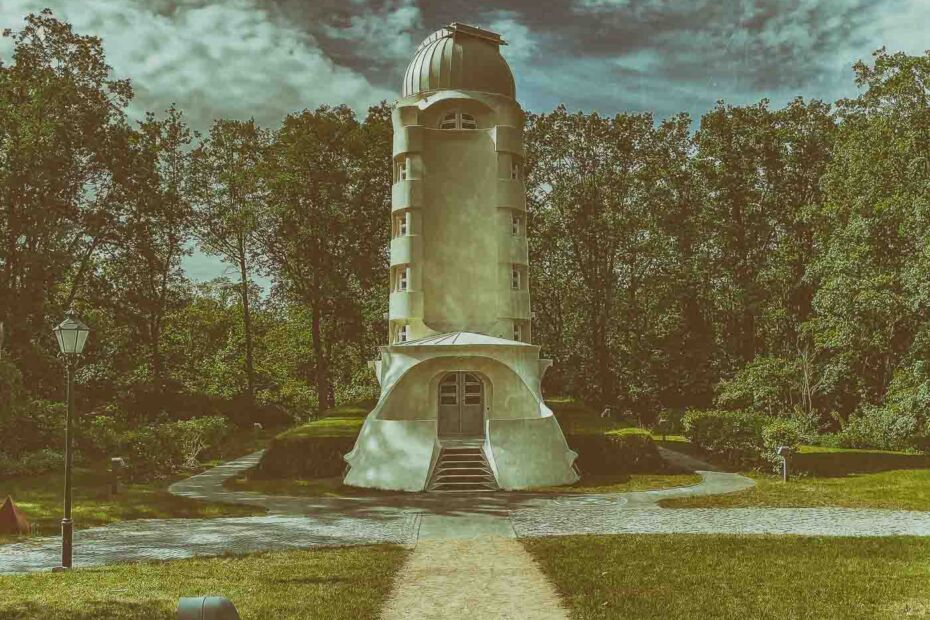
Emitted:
<point x="71" y="334"/>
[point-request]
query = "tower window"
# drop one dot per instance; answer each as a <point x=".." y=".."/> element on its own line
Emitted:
<point x="517" y="332"/>
<point x="517" y="225"/>
<point x="515" y="278"/>
<point x="516" y="171"/>
<point x="402" y="333"/>
<point x="400" y="225"/>
<point x="402" y="278"/>
<point x="400" y="169"/>
<point x="458" y="120"/>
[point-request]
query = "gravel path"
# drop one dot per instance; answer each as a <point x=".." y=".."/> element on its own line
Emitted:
<point x="296" y="522"/>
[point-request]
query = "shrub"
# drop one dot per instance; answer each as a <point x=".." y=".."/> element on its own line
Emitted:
<point x="902" y="421"/>
<point x="736" y="436"/>
<point x="30" y="463"/>
<point x="616" y="452"/>
<point x="315" y="449"/>
<point x="669" y="422"/>
<point x="159" y="450"/>
<point x="886" y="428"/>
<point x="783" y="432"/>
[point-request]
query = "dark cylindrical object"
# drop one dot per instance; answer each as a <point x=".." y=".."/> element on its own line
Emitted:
<point x="67" y="526"/>
<point x="206" y="608"/>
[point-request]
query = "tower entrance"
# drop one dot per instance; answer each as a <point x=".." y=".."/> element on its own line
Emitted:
<point x="461" y="405"/>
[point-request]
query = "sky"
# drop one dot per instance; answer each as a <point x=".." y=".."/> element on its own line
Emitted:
<point x="267" y="58"/>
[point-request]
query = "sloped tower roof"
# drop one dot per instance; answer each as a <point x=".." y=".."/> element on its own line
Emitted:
<point x="460" y="57"/>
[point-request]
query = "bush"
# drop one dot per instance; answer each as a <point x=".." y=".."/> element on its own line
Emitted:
<point x="669" y="422"/>
<point x="160" y="450"/>
<point x="783" y="432"/>
<point x="736" y="436"/>
<point x="30" y="463"/>
<point x="885" y="428"/>
<point x="902" y="421"/>
<point x="616" y="452"/>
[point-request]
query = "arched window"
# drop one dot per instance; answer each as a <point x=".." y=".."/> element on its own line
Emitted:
<point x="458" y="120"/>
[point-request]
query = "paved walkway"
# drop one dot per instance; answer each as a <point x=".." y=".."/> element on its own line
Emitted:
<point x="467" y="566"/>
<point x="298" y="522"/>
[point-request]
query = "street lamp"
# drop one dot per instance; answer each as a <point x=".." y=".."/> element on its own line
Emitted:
<point x="72" y="335"/>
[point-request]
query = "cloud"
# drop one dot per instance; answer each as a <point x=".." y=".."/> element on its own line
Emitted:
<point x="383" y="33"/>
<point x="233" y="59"/>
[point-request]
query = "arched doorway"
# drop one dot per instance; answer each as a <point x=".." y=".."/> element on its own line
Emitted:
<point x="461" y="405"/>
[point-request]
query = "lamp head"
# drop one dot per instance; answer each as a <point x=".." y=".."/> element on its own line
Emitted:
<point x="71" y="334"/>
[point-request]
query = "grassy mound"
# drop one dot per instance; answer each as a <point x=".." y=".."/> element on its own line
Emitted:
<point x="315" y="449"/>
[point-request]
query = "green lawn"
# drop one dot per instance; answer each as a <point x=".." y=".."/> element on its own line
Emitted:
<point x="347" y="582"/>
<point x="40" y="497"/>
<point x="827" y="477"/>
<point x="738" y="577"/>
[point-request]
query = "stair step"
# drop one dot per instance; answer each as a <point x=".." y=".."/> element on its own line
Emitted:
<point x="462" y="468"/>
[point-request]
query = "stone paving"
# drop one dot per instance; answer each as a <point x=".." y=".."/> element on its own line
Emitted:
<point x="297" y="522"/>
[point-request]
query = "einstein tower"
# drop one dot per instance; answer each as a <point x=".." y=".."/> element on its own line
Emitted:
<point x="460" y="406"/>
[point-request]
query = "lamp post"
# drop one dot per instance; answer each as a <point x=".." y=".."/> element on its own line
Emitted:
<point x="71" y="334"/>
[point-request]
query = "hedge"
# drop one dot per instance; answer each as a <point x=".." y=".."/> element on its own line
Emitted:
<point x="743" y="438"/>
<point x="616" y="452"/>
<point x="304" y="457"/>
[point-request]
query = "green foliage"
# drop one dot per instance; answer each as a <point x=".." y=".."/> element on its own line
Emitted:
<point x="767" y="384"/>
<point x="577" y="418"/>
<point x="670" y="422"/>
<point x="615" y="452"/>
<point x="735" y="436"/>
<point x="791" y="432"/>
<point x="158" y="450"/>
<point x="779" y="254"/>
<point x="30" y="463"/>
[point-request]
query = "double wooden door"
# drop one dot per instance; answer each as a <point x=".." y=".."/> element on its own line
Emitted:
<point x="461" y="405"/>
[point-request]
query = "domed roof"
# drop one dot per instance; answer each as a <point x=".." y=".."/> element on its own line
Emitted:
<point x="459" y="57"/>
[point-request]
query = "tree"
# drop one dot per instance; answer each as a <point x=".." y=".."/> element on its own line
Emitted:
<point x="139" y="277"/>
<point x="323" y="235"/>
<point x="229" y="195"/>
<point x="62" y="152"/>
<point x="872" y="264"/>
<point x="588" y="203"/>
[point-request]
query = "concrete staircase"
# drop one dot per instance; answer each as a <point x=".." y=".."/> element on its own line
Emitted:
<point x="462" y="468"/>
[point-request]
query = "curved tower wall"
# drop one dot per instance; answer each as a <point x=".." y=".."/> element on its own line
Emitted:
<point x="459" y="225"/>
<point x="459" y="301"/>
<point x="458" y="198"/>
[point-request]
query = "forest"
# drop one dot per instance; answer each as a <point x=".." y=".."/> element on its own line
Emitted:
<point x="761" y="258"/>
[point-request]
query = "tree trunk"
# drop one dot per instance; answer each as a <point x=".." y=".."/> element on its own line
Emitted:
<point x="322" y="370"/>
<point x="246" y="324"/>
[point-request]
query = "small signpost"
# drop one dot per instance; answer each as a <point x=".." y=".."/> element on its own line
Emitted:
<point x="785" y="453"/>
